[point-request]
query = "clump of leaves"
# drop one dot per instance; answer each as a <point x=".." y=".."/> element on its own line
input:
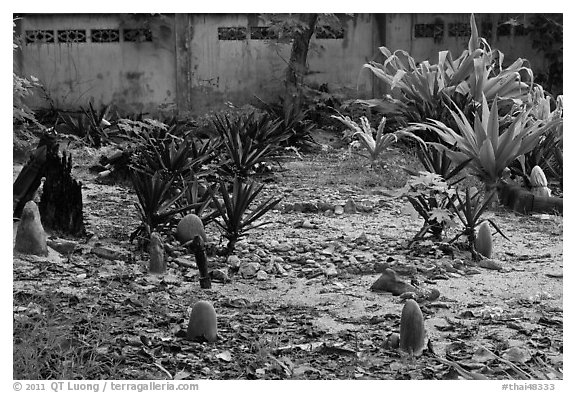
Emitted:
<point x="375" y="141"/>
<point x="90" y="125"/>
<point x="429" y="194"/>
<point x="295" y="127"/>
<point x="236" y="218"/>
<point x="489" y="149"/>
<point x="246" y="141"/>
<point x="548" y="153"/>
<point x="436" y="160"/>
<point x="469" y="210"/>
<point x="198" y="196"/>
<point x="156" y="202"/>
<point x="420" y="91"/>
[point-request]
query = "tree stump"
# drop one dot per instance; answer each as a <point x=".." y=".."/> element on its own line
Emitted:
<point x="61" y="202"/>
<point x="31" y="175"/>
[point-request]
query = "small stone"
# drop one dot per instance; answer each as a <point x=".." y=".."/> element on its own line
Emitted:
<point x="184" y="262"/>
<point x="350" y="207"/>
<point x="233" y="261"/>
<point x="339" y="210"/>
<point x="219" y="275"/>
<point x="324" y="206"/>
<point x="64" y="247"/>
<point x="261" y="275"/>
<point x="276" y="259"/>
<point x="490" y="264"/>
<point x="308" y="225"/>
<point x="389" y="282"/>
<point x="30" y="235"/>
<point x="330" y="270"/>
<point x="107" y="253"/>
<point x="248" y="270"/>
<point x="309" y="207"/>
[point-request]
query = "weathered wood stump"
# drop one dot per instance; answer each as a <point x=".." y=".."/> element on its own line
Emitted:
<point x="31" y="175"/>
<point x="61" y="202"/>
<point x="525" y="202"/>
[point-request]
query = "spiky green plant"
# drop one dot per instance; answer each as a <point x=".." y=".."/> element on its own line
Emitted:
<point x="374" y="141"/>
<point x="236" y="218"/>
<point x="490" y="149"/>
<point x="436" y="160"/>
<point x="423" y="91"/>
<point x="469" y="209"/>
<point x="156" y="201"/>
<point x="246" y="142"/>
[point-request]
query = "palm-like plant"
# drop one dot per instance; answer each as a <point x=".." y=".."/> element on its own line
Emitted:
<point x="245" y="143"/>
<point x="233" y="210"/>
<point x="489" y="149"/>
<point x="469" y="210"/>
<point x="375" y="141"/>
<point x="421" y="91"/>
<point x="156" y="204"/>
<point x="436" y="161"/>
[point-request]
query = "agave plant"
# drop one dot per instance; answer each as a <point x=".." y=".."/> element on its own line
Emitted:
<point x="422" y="91"/>
<point x="375" y="141"/>
<point x="236" y="219"/>
<point x="198" y="195"/>
<point x="469" y="210"/>
<point x="173" y="155"/>
<point x="436" y="160"/>
<point x="245" y="144"/>
<point x="156" y="202"/>
<point x="490" y="149"/>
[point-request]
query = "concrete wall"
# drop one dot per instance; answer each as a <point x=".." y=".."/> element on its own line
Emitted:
<point x="187" y="66"/>
<point x="236" y="70"/>
<point x="137" y="76"/>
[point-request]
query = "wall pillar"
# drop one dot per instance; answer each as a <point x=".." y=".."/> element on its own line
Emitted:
<point x="182" y="38"/>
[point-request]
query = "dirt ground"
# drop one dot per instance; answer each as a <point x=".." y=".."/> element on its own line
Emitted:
<point x="312" y="315"/>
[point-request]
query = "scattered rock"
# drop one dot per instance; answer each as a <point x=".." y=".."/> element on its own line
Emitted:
<point x="388" y="282"/>
<point x="30" y="235"/>
<point x="324" y="206"/>
<point x="63" y="246"/>
<point x="249" y="269"/>
<point x="339" y="210"/>
<point x="490" y="264"/>
<point x="261" y="275"/>
<point x="330" y="270"/>
<point x="219" y="275"/>
<point x="350" y="207"/>
<point x="233" y="261"/>
<point x="107" y="253"/>
<point x="185" y="262"/>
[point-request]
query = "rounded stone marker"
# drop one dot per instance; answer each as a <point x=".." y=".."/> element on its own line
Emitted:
<point x="30" y="235"/>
